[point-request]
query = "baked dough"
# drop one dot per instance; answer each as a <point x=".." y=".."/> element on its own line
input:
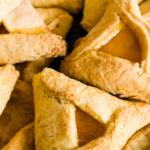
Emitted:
<point x="57" y="20"/>
<point x="73" y="6"/>
<point x="30" y="47"/>
<point x="35" y="67"/>
<point x="114" y="56"/>
<point x="18" y="113"/>
<point x="20" y="20"/>
<point x="145" y="10"/>
<point x="115" y="114"/>
<point x="55" y="126"/>
<point x="90" y="19"/>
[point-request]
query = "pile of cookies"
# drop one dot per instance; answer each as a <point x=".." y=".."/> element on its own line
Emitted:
<point x="99" y="99"/>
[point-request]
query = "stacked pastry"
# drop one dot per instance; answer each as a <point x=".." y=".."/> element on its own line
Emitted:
<point x="28" y="35"/>
<point x="114" y="57"/>
<point x="100" y="98"/>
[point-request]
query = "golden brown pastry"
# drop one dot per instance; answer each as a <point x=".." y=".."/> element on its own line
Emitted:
<point x="57" y="20"/>
<point x="18" y="112"/>
<point x="55" y="126"/>
<point x="24" y="19"/>
<point x="145" y="10"/>
<point x="93" y="12"/>
<point x="8" y="78"/>
<point x="35" y="67"/>
<point x="145" y="7"/>
<point x="23" y="140"/>
<point x="114" y="56"/>
<point x="140" y="140"/>
<point x="73" y="6"/>
<point x="30" y="47"/>
<point x="57" y="95"/>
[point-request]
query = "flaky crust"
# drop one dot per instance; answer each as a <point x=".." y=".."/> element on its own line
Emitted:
<point x="30" y="47"/>
<point x="116" y="114"/>
<point x="55" y="126"/>
<point x="117" y="76"/>
<point x="112" y="74"/>
<point x="140" y="140"/>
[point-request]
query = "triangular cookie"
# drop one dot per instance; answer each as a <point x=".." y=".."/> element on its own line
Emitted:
<point x="114" y="56"/>
<point x="55" y="125"/>
<point x="54" y="91"/>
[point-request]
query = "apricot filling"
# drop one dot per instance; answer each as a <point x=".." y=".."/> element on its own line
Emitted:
<point x="124" y="45"/>
<point x="88" y="128"/>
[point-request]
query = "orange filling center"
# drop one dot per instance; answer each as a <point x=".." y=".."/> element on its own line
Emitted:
<point x="88" y="128"/>
<point x="124" y="45"/>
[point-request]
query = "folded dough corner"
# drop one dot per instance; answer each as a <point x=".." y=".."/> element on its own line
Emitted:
<point x="114" y="56"/>
<point x="56" y="97"/>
